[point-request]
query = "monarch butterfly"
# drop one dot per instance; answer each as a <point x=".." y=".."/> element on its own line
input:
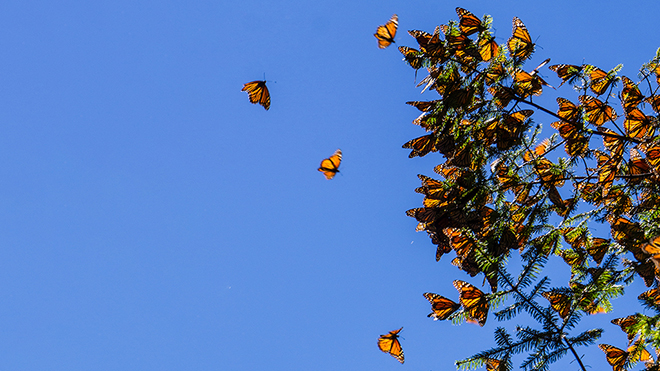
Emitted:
<point x="607" y="168"/>
<point x="566" y="72"/>
<point x="561" y="303"/>
<point x="653" y="156"/>
<point x="425" y="214"/>
<point x="330" y="166"/>
<point x="567" y="110"/>
<point x="630" y="94"/>
<point x="654" y="101"/>
<point x="618" y="358"/>
<point x="421" y="146"/>
<point x="474" y="302"/>
<point x="495" y="73"/>
<point x="612" y="141"/>
<point x="385" y="33"/>
<point x="389" y="343"/>
<point x="652" y="247"/>
<point x="520" y="43"/>
<point x="258" y="93"/>
<point x="412" y="56"/>
<point x="626" y="324"/>
<point x="469" y="23"/>
<point x="443" y="245"/>
<point x="615" y="357"/>
<point x="488" y="48"/>
<point x="424" y="106"/>
<point x="495" y="365"/>
<point x="429" y="44"/>
<point x="598" y="248"/>
<point x="651" y="296"/>
<point x="502" y="95"/>
<point x="511" y="128"/>
<point x="442" y="307"/>
<point x="460" y="243"/>
<point x="637" y="166"/>
<point x="636" y="123"/>
<point x="597" y="112"/>
<point x="600" y="80"/>
<point x="526" y="84"/>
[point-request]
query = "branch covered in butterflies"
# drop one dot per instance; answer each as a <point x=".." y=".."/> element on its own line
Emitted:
<point x="501" y="192"/>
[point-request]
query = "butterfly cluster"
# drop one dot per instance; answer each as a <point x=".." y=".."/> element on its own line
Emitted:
<point x="507" y="185"/>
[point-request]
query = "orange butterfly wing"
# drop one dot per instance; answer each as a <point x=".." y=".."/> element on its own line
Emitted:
<point x="330" y="166"/>
<point x="258" y="93"/>
<point x="385" y="33"/>
<point x="389" y="343"/>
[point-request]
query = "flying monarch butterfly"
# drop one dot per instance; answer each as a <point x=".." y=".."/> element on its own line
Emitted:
<point x="389" y="343"/>
<point x="258" y="93"/>
<point x="469" y="23"/>
<point x="596" y="112"/>
<point x="330" y="166"/>
<point x="442" y="307"/>
<point x="520" y="43"/>
<point x="474" y="302"/>
<point x="600" y="80"/>
<point x="385" y="33"/>
<point x="566" y="72"/>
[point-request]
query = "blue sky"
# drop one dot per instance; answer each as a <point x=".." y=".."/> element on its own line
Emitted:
<point x="153" y="219"/>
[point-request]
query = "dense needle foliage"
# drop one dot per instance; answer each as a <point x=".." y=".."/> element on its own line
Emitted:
<point x="508" y="186"/>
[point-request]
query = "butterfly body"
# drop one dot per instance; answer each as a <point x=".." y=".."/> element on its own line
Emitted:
<point x="258" y="93"/>
<point x="330" y="166"/>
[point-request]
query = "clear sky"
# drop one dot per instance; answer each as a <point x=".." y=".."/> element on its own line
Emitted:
<point x="153" y="219"/>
